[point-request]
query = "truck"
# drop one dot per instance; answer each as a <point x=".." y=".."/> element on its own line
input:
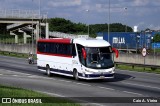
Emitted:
<point x="127" y="40"/>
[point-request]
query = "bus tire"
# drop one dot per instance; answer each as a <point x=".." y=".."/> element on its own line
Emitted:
<point x="48" y="71"/>
<point x="75" y="75"/>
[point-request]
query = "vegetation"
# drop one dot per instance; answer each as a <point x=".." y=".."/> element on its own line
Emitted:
<point x="137" y="68"/>
<point x="12" y="40"/>
<point x="156" y="38"/>
<point x="6" y="91"/>
<point x="19" y="55"/>
<point x="66" y="26"/>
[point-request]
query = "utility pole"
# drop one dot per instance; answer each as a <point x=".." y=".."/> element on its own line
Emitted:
<point x="126" y="18"/>
<point x="108" y="19"/>
<point x="39" y="18"/>
<point x="88" y="19"/>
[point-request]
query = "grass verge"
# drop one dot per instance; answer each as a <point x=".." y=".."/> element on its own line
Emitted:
<point x="19" y="55"/>
<point x="139" y="69"/>
<point x="12" y="54"/>
<point x="12" y="92"/>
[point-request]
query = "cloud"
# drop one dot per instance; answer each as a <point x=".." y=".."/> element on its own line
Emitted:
<point x="63" y="14"/>
<point x="140" y="2"/>
<point x="153" y="27"/>
<point x="64" y="3"/>
<point x="144" y="12"/>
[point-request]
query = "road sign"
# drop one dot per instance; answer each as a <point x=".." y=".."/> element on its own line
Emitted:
<point x="144" y="52"/>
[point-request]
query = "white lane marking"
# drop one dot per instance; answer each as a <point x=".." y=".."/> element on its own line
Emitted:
<point x="141" y="85"/>
<point x="15" y="72"/>
<point x="58" y="95"/>
<point x="64" y="80"/>
<point x="33" y="76"/>
<point x="106" y="88"/>
<point x="41" y="77"/>
<point x="15" y="75"/>
<point x="133" y="93"/>
<point x="1" y="74"/>
<point x="122" y="91"/>
<point x="52" y="94"/>
<point x="82" y="84"/>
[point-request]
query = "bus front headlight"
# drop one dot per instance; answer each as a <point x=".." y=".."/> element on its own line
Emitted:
<point x="110" y="72"/>
<point x="87" y="70"/>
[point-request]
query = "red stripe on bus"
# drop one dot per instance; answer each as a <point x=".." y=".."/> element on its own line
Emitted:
<point x="65" y="41"/>
<point x="58" y="55"/>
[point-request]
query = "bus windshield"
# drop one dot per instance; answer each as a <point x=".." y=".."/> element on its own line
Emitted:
<point x="99" y="57"/>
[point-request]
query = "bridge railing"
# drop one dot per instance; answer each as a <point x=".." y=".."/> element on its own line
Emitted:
<point x="65" y="35"/>
<point x="17" y="13"/>
<point x="62" y="35"/>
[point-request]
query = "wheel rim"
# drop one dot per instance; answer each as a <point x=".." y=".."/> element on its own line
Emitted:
<point x="48" y="71"/>
<point x="76" y="75"/>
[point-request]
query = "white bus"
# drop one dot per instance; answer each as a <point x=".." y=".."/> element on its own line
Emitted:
<point x="79" y="58"/>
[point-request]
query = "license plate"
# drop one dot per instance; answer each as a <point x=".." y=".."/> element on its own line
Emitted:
<point x="102" y="77"/>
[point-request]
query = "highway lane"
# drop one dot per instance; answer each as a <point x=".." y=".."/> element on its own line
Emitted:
<point x="17" y="72"/>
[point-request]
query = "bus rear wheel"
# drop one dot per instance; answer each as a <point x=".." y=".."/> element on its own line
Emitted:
<point x="48" y="71"/>
<point x="76" y="77"/>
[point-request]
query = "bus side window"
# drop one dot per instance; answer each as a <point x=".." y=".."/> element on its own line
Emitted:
<point x="80" y="55"/>
<point x="73" y="50"/>
<point x="47" y="47"/>
<point x="52" y="48"/>
<point x="41" y="47"/>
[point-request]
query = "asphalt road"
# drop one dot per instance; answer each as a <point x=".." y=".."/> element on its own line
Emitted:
<point x="17" y="72"/>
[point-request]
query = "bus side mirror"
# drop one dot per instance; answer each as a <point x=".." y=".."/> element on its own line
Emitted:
<point x="84" y="53"/>
<point x="115" y="51"/>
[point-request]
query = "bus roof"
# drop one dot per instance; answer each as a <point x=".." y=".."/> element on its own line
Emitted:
<point x="82" y="41"/>
<point x="91" y="42"/>
<point x="56" y="40"/>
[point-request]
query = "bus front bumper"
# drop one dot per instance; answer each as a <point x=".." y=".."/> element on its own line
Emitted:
<point x="96" y="76"/>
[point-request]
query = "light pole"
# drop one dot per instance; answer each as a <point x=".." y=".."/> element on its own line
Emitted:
<point x="108" y="19"/>
<point x="39" y="18"/>
<point x="39" y="8"/>
<point x="88" y="22"/>
<point x="32" y="37"/>
<point x="153" y="44"/>
<point x="126" y="18"/>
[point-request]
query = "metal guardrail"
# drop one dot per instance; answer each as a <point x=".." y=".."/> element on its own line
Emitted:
<point x="153" y="67"/>
<point x="65" y="35"/>
<point x="17" y="13"/>
<point x="62" y="35"/>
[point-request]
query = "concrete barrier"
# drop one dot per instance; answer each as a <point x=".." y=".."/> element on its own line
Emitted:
<point x="139" y="59"/>
<point x="18" y="48"/>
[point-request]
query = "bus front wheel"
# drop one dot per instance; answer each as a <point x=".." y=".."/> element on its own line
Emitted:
<point x="48" y="71"/>
<point x="76" y="77"/>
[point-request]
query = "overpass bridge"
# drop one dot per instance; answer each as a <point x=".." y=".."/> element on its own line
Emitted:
<point x="26" y="23"/>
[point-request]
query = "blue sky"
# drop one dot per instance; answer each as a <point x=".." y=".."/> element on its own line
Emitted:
<point x="143" y="13"/>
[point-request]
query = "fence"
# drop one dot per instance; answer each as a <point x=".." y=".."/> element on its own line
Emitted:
<point x="17" y="13"/>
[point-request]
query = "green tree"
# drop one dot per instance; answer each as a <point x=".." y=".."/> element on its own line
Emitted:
<point x="156" y="38"/>
<point x="66" y="26"/>
<point x="60" y="25"/>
